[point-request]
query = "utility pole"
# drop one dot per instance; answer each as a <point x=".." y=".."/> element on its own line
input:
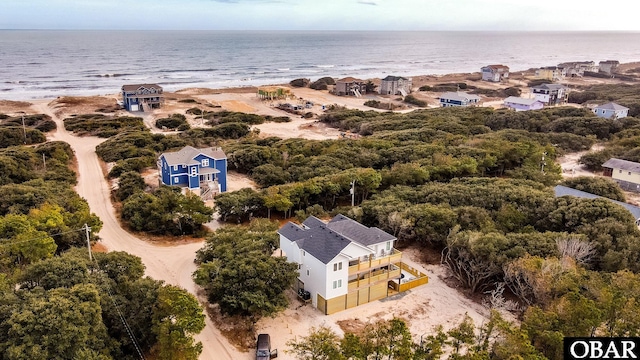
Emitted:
<point x="24" y="130"/>
<point x="87" y="231"/>
<point x="44" y="162"/>
<point x="352" y="191"/>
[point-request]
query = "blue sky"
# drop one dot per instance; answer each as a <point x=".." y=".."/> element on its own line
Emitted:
<point x="321" y="14"/>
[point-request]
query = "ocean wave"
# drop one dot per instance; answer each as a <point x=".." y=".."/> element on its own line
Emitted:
<point x="108" y="75"/>
<point x="325" y="66"/>
<point x="186" y="70"/>
<point x="284" y="69"/>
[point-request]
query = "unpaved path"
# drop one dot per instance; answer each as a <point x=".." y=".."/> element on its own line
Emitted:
<point x="173" y="264"/>
<point x="571" y="167"/>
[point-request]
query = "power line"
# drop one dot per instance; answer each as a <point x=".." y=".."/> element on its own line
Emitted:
<point x="87" y="230"/>
<point x="7" y="242"/>
<point x="127" y="328"/>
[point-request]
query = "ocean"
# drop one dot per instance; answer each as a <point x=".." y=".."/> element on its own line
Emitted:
<point x="39" y="64"/>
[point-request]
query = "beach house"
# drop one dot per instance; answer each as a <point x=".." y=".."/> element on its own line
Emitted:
<point x="551" y="73"/>
<point x="395" y="85"/>
<point x="458" y="98"/>
<point x="201" y="171"/>
<point x="609" y="66"/>
<point x="550" y="94"/>
<point x="495" y="73"/>
<point x="343" y="264"/>
<point x="611" y="111"/>
<point x="578" y="68"/>
<point x="140" y="96"/>
<point x="625" y="173"/>
<point x="350" y="86"/>
<point x="522" y="104"/>
<point x="560" y="191"/>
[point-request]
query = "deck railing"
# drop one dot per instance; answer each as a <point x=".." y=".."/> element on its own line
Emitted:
<point x="374" y="277"/>
<point x="364" y="264"/>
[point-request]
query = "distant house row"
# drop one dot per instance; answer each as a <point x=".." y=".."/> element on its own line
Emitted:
<point x="576" y="69"/>
<point x="390" y="85"/>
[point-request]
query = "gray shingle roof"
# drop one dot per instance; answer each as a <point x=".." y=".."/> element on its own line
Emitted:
<point x="319" y="241"/>
<point x="611" y="106"/>
<point x="326" y="241"/>
<point x="186" y="155"/>
<point x="519" y="100"/>
<point x="394" y="78"/>
<point x="358" y="232"/>
<point x="567" y="191"/>
<point x="549" y="87"/>
<point x="135" y="87"/>
<point x="614" y="163"/>
<point x="460" y="96"/>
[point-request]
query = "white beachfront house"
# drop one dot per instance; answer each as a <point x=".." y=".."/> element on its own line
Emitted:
<point x="343" y="264"/>
<point x="611" y="111"/>
<point x="522" y="104"/>
<point x="495" y="73"/>
<point x="550" y="94"/>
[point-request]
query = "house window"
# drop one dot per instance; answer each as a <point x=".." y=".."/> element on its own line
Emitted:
<point x="629" y="173"/>
<point x="619" y="171"/>
<point x="175" y="167"/>
<point x="176" y="180"/>
<point x="303" y="253"/>
<point x="194" y="171"/>
<point x="388" y="245"/>
<point x="337" y="284"/>
<point x="307" y="272"/>
<point x="337" y="266"/>
<point x="205" y="162"/>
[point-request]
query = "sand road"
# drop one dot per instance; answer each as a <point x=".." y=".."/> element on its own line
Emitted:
<point x="173" y="264"/>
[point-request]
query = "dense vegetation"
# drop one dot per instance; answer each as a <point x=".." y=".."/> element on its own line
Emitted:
<point x="173" y="122"/>
<point x="57" y="304"/>
<point x="27" y="130"/>
<point x="102" y="125"/>
<point x="165" y="211"/>
<point x="497" y="339"/>
<point x="625" y="95"/>
<point x="475" y="185"/>
<point x="238" y="271"/>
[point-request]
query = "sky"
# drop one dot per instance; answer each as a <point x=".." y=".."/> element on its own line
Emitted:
<point x="445" y="15"/>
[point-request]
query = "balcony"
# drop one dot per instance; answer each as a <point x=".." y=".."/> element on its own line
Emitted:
<point x="371" y="262"/>
<point x="363" y="280"/>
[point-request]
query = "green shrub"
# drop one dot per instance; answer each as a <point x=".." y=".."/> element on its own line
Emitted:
<point x="410" y="99"/>
<point x="102" y="125"/>
<point x="172" y="122"/>
<point x="318" y="85"/>
<point x="301" y="82"/>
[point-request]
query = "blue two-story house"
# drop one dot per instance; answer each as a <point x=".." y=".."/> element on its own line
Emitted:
<point x="137" y="97"/>
<point x="458" y="98"/>
<point x="198" y="170"/>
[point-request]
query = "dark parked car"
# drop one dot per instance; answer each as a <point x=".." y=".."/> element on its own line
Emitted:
<point x="263" y="348"/>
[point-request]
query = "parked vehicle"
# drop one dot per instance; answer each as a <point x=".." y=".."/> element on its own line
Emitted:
<point x="263" y="348"/>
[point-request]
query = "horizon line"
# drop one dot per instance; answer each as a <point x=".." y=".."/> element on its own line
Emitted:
<point x="329" y="31"/>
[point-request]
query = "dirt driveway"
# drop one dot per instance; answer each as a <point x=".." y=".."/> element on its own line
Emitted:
<point x="172" y="264"/>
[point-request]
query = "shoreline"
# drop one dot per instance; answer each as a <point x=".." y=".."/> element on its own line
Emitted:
<point x="173" y="88"/>
<point x="517" y="78"/>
